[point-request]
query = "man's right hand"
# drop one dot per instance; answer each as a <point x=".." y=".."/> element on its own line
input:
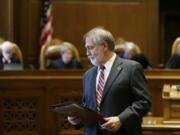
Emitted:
<point x="74" y="120"/>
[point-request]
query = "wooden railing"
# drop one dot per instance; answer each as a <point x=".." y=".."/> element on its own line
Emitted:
<point x="25" y="96"/>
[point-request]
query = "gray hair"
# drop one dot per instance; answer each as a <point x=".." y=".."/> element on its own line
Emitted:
<point x="99" y="35"/>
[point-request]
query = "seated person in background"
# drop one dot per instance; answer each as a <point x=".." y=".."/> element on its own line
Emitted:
<point x="67" y="59"/>
<point x="132" y="52"/>
<point x="8" y="54"/>
<point x="176" y="46"/>
<point x="120" y="47"/>
<point x="174" y="60"/>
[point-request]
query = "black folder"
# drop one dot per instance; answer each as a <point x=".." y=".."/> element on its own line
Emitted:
<point x="87" y="116"/>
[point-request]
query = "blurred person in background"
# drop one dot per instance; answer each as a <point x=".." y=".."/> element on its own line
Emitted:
<point x="69" y="58"/>
<point x="120" y="47"/>
<point x="174" y="61"/>
<point x="7" y="55"/>
<point x="133" y="52"/>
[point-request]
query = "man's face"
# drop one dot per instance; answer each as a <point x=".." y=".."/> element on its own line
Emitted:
<point x="94" y="52"/>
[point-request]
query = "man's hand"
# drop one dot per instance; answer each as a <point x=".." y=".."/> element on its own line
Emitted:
<point x="74" y="120"/>
<point x="113" y="124"/>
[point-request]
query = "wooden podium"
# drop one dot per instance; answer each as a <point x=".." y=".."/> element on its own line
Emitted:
<point x="171" y="104"/>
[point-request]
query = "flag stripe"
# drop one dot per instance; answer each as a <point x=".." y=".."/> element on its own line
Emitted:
<point x="46" y="23"/>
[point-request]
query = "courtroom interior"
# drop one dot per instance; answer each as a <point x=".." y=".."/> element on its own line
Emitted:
<point x="43" y="59"/>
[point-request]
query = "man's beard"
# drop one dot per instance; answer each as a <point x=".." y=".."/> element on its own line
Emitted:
<point x="93" y="61"/>
<point x="96" y="60"/>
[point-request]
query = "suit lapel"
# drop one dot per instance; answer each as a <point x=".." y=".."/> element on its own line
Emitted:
<point x="93" y="84"/>
<point x="115" y="70"/>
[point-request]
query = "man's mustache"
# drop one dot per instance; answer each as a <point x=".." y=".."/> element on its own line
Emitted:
<point x="91" y="57"/>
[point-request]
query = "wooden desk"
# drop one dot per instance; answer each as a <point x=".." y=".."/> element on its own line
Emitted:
<point x="25" y="96"/>
<point x="158" y="128"/>
<point x="156" y="79"/>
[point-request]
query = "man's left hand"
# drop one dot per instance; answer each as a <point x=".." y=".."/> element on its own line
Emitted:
<point x="112" y="124"/>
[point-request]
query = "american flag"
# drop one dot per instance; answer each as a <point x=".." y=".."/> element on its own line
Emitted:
<point x="46" y="23"/>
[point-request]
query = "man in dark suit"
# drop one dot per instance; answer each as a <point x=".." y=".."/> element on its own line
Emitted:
<point x="118" y="91"/>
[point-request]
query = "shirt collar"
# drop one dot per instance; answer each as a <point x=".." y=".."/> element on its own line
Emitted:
<point x="109" y="63"/>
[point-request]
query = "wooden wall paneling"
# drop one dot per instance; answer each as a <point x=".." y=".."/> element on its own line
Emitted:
<point x="21" y="27"/>
<point x="135" y="20"/>
<point x="6" y="19"/>
<point x="27" y="29"/>
<point x="132" y="20"/>
<point x="23" y="110"/>
<point x="35" y="12"/>
<point x="153" y="48"/>
<point x="73" y="18"/>
<point x="71" y="91"/>
<point x="49" y="87"/>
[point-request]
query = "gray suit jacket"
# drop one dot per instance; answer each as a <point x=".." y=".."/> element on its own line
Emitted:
<point x="125" y="95"/>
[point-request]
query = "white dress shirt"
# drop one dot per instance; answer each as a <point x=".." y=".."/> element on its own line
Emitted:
<point x="108" y="66"/>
